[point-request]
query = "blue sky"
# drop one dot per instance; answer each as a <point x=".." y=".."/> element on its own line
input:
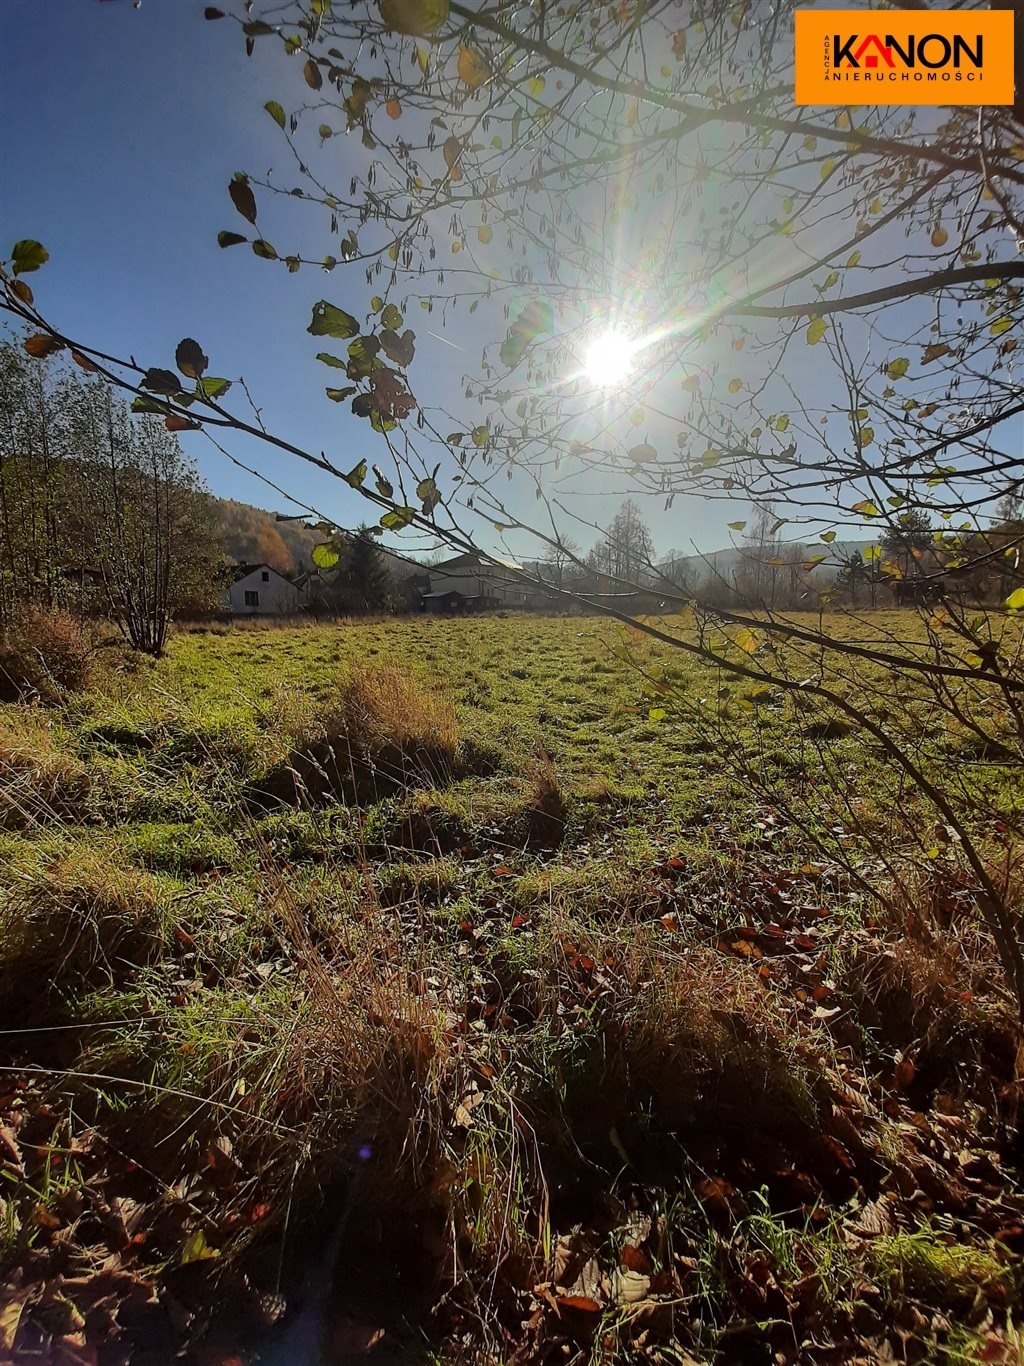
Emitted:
<point x="120" y="131"/>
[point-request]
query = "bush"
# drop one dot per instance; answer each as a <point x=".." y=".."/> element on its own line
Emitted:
<point x="43" y="652"/>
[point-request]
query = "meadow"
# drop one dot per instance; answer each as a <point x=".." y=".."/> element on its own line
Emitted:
<point x="455" y="954"/>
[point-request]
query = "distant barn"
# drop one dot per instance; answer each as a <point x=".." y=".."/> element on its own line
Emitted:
<point x="471" y="583"/>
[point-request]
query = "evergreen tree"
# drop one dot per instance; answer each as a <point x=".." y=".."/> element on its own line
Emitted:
<point x="364" y="581"/>
<point x="905" y="542"/>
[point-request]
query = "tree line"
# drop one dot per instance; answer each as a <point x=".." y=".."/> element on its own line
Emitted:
<point x="100" y="510"/>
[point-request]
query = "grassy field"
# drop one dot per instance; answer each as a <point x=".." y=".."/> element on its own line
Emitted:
<point x="456" y="948"/>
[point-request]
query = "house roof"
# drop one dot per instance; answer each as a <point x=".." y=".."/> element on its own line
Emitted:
<point x="452" y="593"/>
<point x="469" y="560"/>
<point x="242" y="571"/>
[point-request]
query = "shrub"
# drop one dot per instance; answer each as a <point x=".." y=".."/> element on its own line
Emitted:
<point x="43" y="652"/>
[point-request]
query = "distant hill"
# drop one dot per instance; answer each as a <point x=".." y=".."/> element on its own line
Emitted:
<point x="724" y="564"/>
<point x="253" y="536"/>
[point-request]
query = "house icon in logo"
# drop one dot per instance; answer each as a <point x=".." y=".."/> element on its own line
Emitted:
<point x="871" y="60"/>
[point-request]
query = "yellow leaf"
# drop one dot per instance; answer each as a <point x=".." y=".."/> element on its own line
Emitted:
<point x="484" y="233"/>
<point x="535" y="85"/>
<point x="939" y="236"/>
<point x="472" y="68"/>
<point x="1015" y="602"/>
<point x="816" y="329"/>
<point x="417" y="17"/>
<point x="393" y="108"/>
<point x="746" y="640"/>
<point x="196" y="1248"/>
<point x="735" y="385"/>
<point x="10" y="1318"/>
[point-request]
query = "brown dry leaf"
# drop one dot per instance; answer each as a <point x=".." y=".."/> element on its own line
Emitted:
<point x="9" y="1149"/>
<point x="40" y="345"/>
<point x="583" y="1303"/>
<point x="222" y="1153"/>
<point x="717" y="1195"/>
<point x="10" y="1316"/>
<point x="635" y="1259"/>
<point x="746" y="949"/>
<point x="44" y="1218"/>
<point x="452" y="151"/>
<point x="466" y="1106"/>
<point x="629" y="1287"/>
<point x="905" y="1073"/>
<point x="126" y="1216"/>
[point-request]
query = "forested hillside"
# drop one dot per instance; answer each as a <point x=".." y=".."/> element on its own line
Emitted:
<point x="253" y="535"/>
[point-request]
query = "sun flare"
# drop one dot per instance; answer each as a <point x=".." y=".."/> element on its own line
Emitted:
<point x="608" y="360"/>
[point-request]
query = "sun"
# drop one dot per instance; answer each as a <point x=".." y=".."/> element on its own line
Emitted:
<point x="608" y="360"/>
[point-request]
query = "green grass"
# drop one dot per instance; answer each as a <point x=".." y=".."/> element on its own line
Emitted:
<point x="564" y="973"/>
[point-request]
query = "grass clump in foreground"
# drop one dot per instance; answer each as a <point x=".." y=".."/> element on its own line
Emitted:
<point x="582" y="1052"/>
<point x="69" y="925"/>
<point x="378" y="730"/>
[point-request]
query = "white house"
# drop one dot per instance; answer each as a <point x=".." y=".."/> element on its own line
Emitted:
<point x="469" y="583"/>
<point x="259" y="590"/>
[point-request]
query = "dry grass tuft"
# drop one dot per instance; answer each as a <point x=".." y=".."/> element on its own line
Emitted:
<point x="929" y="1003"/>
<point x="69" y="926"/>
<point x="38" y="782"/>
<point x="382" y="729"/>
<point x="384" y="706"/>
<point x="43" y="653"/>
<point x="547" y="809"/>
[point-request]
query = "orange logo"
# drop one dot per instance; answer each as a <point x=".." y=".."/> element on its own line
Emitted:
<point x="904" y="56"/>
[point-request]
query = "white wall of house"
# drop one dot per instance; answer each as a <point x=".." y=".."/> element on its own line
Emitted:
<point x="263" y="592"/>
